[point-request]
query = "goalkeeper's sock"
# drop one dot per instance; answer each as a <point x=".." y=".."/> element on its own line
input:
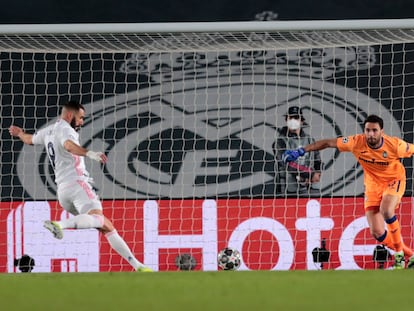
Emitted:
<point x="407" y="251"/>
<point x="119" y="245"/>
<point x="82" y="221"/>
<point x="386" y="240"/>
<point x="394" y="230"/>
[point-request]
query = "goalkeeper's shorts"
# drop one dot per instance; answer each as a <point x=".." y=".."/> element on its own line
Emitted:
<point x="375" y="191"/>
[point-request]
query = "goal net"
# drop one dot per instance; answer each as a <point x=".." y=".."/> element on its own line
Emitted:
<point x="189" y="116"/>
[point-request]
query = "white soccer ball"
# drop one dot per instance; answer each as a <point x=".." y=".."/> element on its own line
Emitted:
<point x="229" y="259"/>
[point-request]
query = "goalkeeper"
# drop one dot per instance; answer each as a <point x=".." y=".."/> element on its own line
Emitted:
<point x="384" y="180"/>
<point x="74" y="189"/>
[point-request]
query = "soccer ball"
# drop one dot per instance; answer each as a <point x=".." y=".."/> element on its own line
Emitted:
<point x="229" y="259"/>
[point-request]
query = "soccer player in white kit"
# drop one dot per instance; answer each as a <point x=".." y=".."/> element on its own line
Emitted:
<point x="75" y="194"/>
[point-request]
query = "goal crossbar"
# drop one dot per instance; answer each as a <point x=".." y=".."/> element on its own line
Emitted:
<point x="206" y="36"/>
<point x="248" y="26"/>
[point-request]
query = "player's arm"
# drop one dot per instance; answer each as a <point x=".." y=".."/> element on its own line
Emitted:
<point x="22" y="135"/>
<point x="405" y="149"/>
<point x="292" y="155"/>
<point x="75" y="149"/>
<point x="321" y="144"/>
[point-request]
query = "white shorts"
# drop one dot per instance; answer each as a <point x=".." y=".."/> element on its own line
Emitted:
<point x="78" y="197"/>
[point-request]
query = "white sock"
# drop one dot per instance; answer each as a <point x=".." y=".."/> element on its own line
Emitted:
<point x="119" y="245"/>
<point x="82" y="221"/>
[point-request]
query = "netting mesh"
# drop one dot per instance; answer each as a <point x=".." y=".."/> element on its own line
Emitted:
<point x="199" y="42"/>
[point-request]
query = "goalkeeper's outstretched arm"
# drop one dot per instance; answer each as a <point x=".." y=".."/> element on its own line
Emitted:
<point x="321" y="144"/>
<point x="293" y="155"/>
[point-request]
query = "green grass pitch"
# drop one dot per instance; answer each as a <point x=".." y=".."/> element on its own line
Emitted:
<point x="224" y="290"/>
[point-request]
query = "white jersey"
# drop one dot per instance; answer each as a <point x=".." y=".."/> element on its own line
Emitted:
<point x="67" y="166"/>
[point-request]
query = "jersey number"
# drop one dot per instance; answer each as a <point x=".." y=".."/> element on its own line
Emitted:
<point x="51" y="153"/>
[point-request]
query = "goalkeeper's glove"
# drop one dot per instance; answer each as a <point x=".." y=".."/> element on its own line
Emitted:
<point x="96" y="156"/>
<point x="292" y="155"/>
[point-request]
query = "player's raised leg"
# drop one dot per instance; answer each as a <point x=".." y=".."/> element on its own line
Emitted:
<point x="54" y="228"/>
<point x="83" y="221"/>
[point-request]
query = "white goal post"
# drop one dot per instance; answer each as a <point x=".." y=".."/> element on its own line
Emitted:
<point x="189" y="115"/>
<point x="153" y="37"/>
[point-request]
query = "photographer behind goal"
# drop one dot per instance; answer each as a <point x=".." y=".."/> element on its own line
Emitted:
<point x="296" y="178"/>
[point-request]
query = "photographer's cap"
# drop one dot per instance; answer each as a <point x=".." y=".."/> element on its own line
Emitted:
<point x="294" y="111"/>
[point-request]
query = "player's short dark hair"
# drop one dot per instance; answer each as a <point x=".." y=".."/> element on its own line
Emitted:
<point x="374" y="119"/>
<point x="73" y="105"/>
